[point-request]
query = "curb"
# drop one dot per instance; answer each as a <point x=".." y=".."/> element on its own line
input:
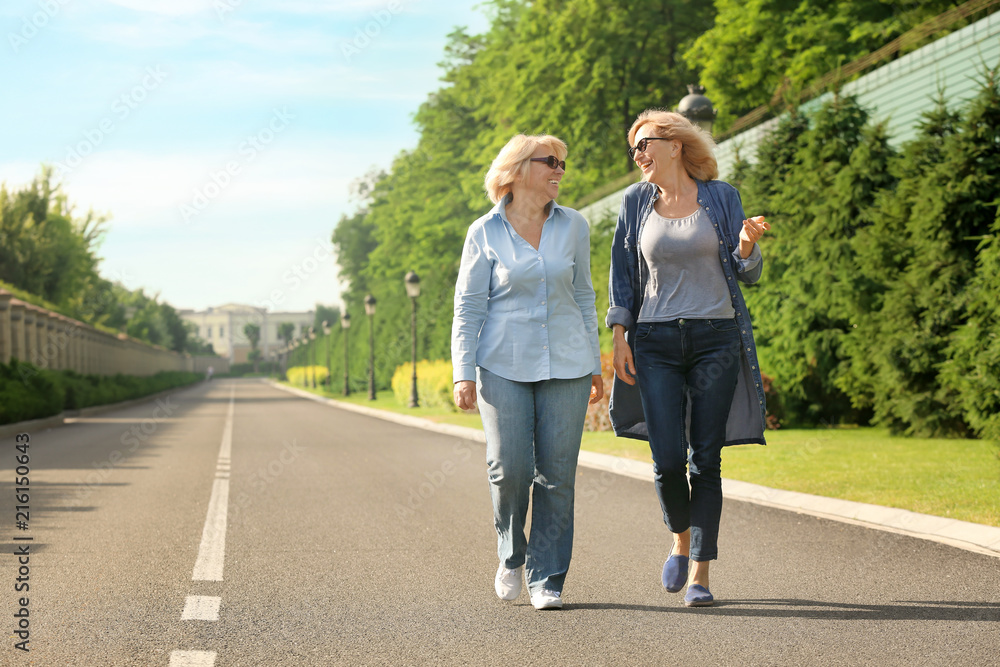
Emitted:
<point x="960" y="534"/>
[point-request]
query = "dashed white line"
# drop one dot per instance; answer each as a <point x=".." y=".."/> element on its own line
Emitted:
<point x="201" y="608"/>
<point x="212" y="552"/>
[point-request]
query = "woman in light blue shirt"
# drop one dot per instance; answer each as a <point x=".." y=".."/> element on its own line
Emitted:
<point x="524" y="346"/>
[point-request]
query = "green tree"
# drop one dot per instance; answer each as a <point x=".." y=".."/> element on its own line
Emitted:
<point x="328" y="314"/>
<point x="252" y="333"/>
<point x="286" y="332"/>
<point x="760" y="50"/>
<point x="44" y="250"/>
<point x="815" y="179"/>
<point x="916" y="340"/>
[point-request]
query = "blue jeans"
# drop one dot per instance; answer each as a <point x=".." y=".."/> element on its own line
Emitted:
<point x="688" y="365"/>
<point x="533" y="432"/>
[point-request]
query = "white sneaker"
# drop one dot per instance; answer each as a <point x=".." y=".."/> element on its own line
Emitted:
<point x="546" y="599"/>
<point x="507" y="583"/>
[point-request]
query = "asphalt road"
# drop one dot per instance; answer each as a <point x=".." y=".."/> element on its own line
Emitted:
<point x="352" y="540"/>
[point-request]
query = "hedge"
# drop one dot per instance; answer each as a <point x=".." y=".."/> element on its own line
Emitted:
<point x="28" y="392"/>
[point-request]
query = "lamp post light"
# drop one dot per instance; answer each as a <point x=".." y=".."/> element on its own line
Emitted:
<point x="326" y="348"/>
<point x="370" y="312"/>
<point x="697" y="108"/>
<point x="345" y="324"/>
<point x="412" y="282"/>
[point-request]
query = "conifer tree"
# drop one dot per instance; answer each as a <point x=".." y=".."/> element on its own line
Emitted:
<point x="815" y="184"/>
<point x="972" y="370"/>
<point x="923" y="249"/>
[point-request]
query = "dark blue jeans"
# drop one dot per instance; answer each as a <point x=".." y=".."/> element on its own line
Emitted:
<point x="688" y="365"/>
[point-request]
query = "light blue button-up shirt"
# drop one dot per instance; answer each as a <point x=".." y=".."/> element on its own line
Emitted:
<point x="521" y="313"/>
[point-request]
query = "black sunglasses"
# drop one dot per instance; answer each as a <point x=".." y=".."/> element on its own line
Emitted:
<point x="640" y="146"/>
<point x="552" y="161"/>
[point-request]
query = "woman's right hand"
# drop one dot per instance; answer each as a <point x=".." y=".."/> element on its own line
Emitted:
<point x="622" y="356"/>
<point x="465" y="394"/>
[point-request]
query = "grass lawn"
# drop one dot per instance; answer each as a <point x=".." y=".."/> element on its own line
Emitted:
<point x="959" y="479"/>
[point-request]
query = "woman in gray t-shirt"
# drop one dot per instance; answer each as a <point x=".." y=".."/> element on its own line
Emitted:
<point x="681" y="244"/>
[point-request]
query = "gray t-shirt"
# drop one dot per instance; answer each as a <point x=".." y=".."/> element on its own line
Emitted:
<point x="685" y="277"/>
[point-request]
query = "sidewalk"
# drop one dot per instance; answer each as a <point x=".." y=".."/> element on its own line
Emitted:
<point x="961" y="534"/>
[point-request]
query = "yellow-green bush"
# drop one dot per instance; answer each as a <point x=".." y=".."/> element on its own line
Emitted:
<point x="434" y="384"/>
<point x="300" y="376"/>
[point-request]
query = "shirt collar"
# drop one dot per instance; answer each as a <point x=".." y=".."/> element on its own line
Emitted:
<point x="501" y="208"/>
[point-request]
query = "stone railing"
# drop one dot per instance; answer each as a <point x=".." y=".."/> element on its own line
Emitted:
<point x="49" y="340"/>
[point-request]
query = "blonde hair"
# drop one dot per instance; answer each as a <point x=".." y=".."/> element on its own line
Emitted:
<point x="697" y="155"/>
<point x="512" y="162"/>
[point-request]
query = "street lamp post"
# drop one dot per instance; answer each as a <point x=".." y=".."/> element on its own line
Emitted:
<point x="326" y="347"/>
<point x="345" y="324"/>
<point x="300" y="346"/>
<point x="312" y="355"/>
<point x="697" y="108"/>
<point x="370" y="312"/>
<point x="412" y="282"/>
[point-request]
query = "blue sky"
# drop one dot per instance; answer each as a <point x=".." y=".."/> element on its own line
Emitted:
<point x="220" y="136"/>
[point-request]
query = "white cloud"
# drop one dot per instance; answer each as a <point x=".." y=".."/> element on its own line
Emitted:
<point x="149" y="191"/>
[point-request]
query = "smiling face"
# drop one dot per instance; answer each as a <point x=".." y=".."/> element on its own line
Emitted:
<point x="543" y="179"/>
<point x="659" y="154"/>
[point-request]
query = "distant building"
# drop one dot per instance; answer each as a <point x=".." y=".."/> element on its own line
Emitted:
<point x="223" y="328"/>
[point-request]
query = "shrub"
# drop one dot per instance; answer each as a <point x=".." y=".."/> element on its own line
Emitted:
<point x="27" y="392"/>
<point x="301" y="376"/>
<point x="434" y="384"/>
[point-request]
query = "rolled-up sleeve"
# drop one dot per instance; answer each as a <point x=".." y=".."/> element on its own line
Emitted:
<point x="471" y="296"/>
<point x="750" y="269"/>
<point x="583" y="290"/>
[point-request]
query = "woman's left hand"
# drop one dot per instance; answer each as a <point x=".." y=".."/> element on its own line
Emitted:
<point x="753" y="229"/>
<point x="596" y="388"/>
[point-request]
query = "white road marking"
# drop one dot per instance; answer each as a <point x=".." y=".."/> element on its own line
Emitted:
<point x="192" y="658"/>
<point x="212" y="552"/>
<point x="201" y="608"/>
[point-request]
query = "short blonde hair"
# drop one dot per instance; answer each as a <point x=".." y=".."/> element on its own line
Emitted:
<point x="511" y="163"/>
<point x="698" y="153"/>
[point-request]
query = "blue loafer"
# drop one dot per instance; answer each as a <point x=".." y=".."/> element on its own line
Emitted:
<point x="698" y="596"/>
<point x="675" y="573"/>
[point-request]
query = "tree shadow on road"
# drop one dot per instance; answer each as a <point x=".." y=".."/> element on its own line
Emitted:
<point x="934" y="610"/>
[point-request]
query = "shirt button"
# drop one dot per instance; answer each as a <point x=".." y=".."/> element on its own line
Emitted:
<point x="545" y="347"/>
<point x="543" y="326"/>
<point x="725" y="260"/>
<point x="543" y="303"/>
<point x="542" y="280"/>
